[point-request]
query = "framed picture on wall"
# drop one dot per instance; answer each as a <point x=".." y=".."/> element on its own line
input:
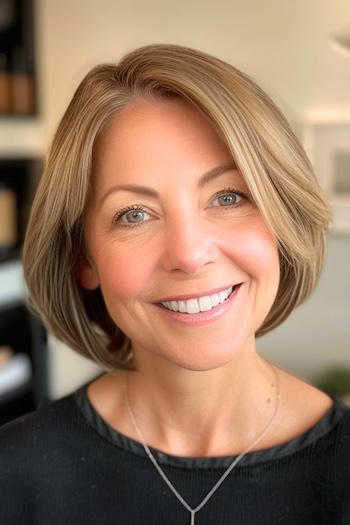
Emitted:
<point x="328" y="146"/>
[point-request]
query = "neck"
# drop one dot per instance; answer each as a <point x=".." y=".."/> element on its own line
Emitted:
<point x="196" y="413"/>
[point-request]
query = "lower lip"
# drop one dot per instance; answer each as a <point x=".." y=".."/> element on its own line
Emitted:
<point x="202" y="317"/>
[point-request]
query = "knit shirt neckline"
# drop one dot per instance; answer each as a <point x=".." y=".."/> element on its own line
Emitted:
<point x="319" y="430"/>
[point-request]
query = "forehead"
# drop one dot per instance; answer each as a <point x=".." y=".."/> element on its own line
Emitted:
<point x="160" y="133"/>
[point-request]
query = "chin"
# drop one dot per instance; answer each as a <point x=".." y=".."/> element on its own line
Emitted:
<point x="199" y="361"/>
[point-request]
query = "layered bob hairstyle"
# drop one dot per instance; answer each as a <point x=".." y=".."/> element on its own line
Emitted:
<point x="263" y="146"/>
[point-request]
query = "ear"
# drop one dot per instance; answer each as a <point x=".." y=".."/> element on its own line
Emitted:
<point x="86" y="274"/>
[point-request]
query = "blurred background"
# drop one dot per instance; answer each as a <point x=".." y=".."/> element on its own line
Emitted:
<point x="298" y="51"/>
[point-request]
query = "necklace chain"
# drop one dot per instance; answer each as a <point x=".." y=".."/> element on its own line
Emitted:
<point x="228" y="470"/>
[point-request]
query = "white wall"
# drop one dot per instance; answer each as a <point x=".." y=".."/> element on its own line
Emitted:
<point x="317" y="334"/>
<point x="281" y="44"/>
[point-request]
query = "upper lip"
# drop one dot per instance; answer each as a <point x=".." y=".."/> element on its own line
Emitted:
<point x="195" y="295"/>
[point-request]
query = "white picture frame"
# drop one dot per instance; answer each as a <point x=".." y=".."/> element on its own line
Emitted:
<point x="327" y="142"/>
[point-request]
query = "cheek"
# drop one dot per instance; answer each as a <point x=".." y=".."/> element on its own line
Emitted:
<point x="261" y="255"/>
<point x="122" y="273"/>
<point x="255" y="251"/>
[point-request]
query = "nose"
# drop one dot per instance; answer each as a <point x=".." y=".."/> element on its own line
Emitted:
<point x="189" y="245"/>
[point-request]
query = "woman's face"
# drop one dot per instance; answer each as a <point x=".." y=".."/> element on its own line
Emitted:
<point x="170" y="218"/>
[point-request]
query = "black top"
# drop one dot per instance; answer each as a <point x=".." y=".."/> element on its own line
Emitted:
<point x="64" y="465"/>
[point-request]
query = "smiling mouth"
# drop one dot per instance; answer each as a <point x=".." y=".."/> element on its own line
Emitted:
<point x="200" y="304"/>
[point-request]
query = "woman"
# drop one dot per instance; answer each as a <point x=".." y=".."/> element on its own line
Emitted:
<point x="177" y="219"/>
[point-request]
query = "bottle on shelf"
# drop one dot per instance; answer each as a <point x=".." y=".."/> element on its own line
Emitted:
<point x="5" y="86"/>
<point x="8" y="221"/>
<point x="23" y="100"/>
<point x="15" y="371"/>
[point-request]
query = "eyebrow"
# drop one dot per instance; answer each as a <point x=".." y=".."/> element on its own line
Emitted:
<point x="149" y="192"/>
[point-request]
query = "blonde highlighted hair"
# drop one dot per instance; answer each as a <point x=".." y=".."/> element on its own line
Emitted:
<point x="263" y="146"/>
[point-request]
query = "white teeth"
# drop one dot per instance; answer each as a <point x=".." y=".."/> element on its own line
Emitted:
<point x="205" y="303"/>
<point x="215" y="299"/>
<point x="223" y="296"/>
<point x="182" y="306"/>
<point x="192" y="306"/>
<point x="202" y="304"/>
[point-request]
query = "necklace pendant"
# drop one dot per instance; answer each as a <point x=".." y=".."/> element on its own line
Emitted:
<point x="192" y="518"/>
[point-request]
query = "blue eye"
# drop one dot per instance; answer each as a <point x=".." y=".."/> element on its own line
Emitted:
<point x="130" y="216"/>
<point x="134" y="216"/>
<point x="229" y="197"/>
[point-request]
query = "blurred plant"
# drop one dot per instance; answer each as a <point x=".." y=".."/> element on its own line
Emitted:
<point x="334" y="381"/>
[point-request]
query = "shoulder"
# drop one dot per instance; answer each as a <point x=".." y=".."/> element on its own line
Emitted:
<point x="36" y="452"/>
<point x="32" y="433"/>
<point x="303" y="406"/>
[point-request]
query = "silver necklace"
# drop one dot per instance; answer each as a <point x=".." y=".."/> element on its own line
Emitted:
<point x="228" y="470"/>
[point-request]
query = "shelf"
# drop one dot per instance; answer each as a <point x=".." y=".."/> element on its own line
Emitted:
<point x="23" y="375"/>
<point x="30" y="133"/>
<point x="17" y="59"/>
<point x="16" y="393"/>
<point x="12" y="287"/>
<point x="15" y="374"/>
<point x="18" y="404"/>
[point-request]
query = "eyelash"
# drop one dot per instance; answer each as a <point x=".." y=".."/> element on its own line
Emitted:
<point x="140" y="207"/>
<point x="229" y="189"/>
<point x="120" y="213"/>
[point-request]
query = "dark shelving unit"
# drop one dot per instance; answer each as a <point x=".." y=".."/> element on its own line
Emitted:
<point x="21" y="175"/>
<point x="18" y="90"/>
<point x="20" y="330"/>
<point x="16" y="331"/>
